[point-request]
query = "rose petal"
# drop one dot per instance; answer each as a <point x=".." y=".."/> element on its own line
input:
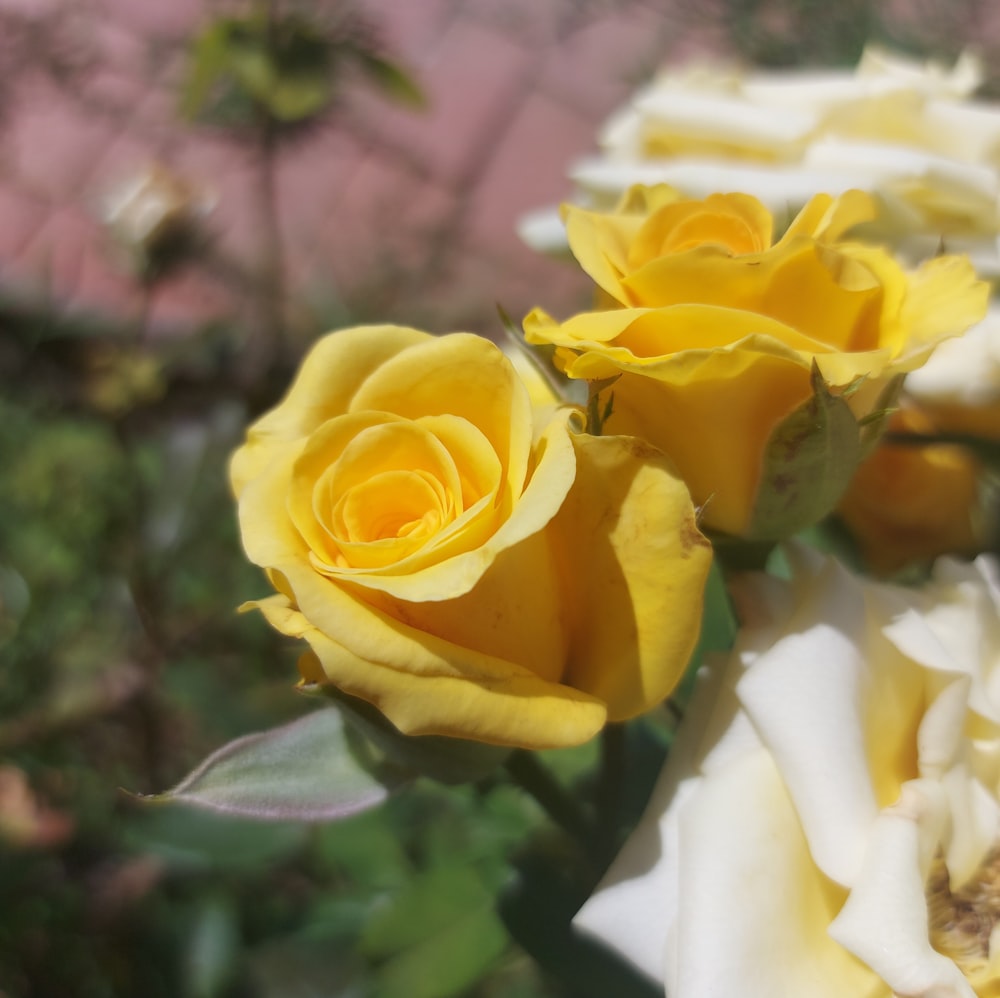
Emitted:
<point x="885" y="920"/>
<point x="459" y="375"/>
<point x="753" y="909"/>
<point x="629" y="553"/>
<point x="823" y="712"/>
<point x="507" y="706"/>
<point x="328" y="377"/>
<point x="634" y="909"/>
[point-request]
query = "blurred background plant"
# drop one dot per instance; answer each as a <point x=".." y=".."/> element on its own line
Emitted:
<point x="123" y="660"/>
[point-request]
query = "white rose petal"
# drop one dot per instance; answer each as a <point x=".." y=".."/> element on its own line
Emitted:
<point x="829" y="819"/>
<point x="904" y="130"/>
<point x="964" y="370"/>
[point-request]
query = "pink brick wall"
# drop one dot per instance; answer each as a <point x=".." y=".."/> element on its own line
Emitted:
<point x="403" y="216"/>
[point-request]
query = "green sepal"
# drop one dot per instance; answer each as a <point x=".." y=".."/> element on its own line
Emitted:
<point x="808" y="462"/>
<point x="393" y="755"/>
<point x="874" y="425"/>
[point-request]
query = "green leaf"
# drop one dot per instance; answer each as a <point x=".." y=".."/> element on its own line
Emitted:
<point x="208" y="63"/>
<point x="190" y="841"/>
<point x="292" y="967"/>
<point x="874" y="424"/>
<point x="810" y="458"/>
<point x="366" y="851"/>
<point x="251" y="64"/>
<point x="212" y="950"/>
<point x="298" y="97"/>
<point x="538" y="909"/>
<point x="439" y="935"/>
<point x="304" y="771"/>
<point x="284" y="69"/>
<point x="392" y="80"/>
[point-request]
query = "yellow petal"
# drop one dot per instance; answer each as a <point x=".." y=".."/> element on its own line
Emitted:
<point x="479" y="469"/>
<point x="600" y="244"/>
<point x="281" y="614"/>
<point x="715" y="425"/>
<point x="666" y="341"/>
<point x="270" y="538"/>
<point x="457" y="560"/>
<point x="827" y="218"/>
<point x="735" y="223"/>
<point x="515" y="612"/>
<point x="459" y="375"/>
<point x="328" y="378"/>
<point x="386" y="477"/>
<point x="851" y="296"/>
<point x="634" y="566"/>
<point x="945" y="298"/>
<point x="319" y="456"/>
<point x="426" y="685"/>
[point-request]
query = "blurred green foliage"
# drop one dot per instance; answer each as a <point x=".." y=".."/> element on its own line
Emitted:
<point x="284" y="68"/>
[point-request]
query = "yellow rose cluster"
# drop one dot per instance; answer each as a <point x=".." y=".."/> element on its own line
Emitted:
<point x="755" y="363"/>
<point x="457" y="550"/>
<point x="472" y="565"/>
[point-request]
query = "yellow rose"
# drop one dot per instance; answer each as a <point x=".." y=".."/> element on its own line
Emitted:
<point x="907" y="504"/>
<point x="719" y="332"/>
<point x="469" y="573"/>
<point x="828" y="821"/>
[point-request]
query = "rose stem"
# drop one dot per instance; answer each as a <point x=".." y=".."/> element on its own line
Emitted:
<point x="528" y="773"/>
<point x="609" y="787"/>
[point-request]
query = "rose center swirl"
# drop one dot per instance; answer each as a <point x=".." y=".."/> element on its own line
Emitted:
<point x="371" y="489"/>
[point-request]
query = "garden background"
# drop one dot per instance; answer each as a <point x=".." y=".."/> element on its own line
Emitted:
<point x="373" y="170"/>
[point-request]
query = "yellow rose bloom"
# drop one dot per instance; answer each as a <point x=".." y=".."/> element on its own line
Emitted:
<point x="470" y="569"/>
<point x="716" y="331"/>
<point x="907" y="504"/>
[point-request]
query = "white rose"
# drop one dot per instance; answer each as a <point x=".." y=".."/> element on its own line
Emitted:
<point x="828" y="823"/>
<point x="900" y="129"/>
<point x="962" y="371"/>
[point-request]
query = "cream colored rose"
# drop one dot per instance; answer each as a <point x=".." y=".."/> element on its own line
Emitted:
<point x="903" y="130"/>
<point x="471" y="566"/>
<point x="828" y="823"/>
<point x="963" y="374"/>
